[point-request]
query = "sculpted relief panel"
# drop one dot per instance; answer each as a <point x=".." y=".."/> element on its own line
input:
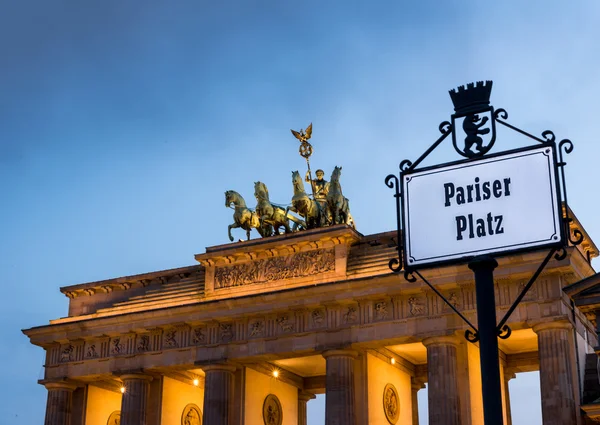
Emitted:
<point x="192" y="415"/>
<point x="272" y="411"/>
<point x="278" y="268"/>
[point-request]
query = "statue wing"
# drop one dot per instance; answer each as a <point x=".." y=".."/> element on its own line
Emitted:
<point x="309" y="131"/>
<point x="296" y="134"/>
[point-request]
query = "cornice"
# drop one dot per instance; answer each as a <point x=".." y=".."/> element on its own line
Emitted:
<point x="127" y="282"/>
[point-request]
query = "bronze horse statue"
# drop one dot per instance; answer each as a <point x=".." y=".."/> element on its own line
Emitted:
<point x="272" y="214"/>
<point x="339" y="206"/>
<point x="244" y="217"/>
<point x="308" y="208"/>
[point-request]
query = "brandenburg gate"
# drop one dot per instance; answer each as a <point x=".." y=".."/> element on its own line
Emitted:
<point x="255" y="329"/>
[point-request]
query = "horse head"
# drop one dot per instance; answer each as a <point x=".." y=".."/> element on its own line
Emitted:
<point x="335" y="175"/>
<point x="297" y="182"/>
<point x="261" y="191"/>
<point x="232" y="197"/>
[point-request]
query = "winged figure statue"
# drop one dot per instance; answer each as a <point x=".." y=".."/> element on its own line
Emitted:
<point x="302" y="135"/>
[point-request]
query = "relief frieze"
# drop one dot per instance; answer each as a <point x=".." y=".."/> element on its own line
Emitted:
<point x="257" y="328"/>
<point x="198" y="336"/>
<point x="144" y="343"/>
<point x="170" y="339"/>
<point x="91" y="352"/>
<point x="278" y="268"/>
<point x="66" y="355"/>
<point x="116" y="347"/>
<point x="381" y="310"/>
<point x="416" y="306"/>
<point x="226" y="332"/>
<point x="318" y="318"/>
<point x="350" y="315"/>
<point x="285" y="324"/>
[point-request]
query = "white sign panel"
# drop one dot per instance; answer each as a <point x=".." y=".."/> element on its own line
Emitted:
<point x="492" y="205"/>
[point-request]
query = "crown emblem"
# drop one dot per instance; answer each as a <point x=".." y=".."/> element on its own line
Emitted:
<point x="472" y="98"/>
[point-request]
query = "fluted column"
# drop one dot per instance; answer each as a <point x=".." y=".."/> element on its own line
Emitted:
<point x="339" y="387"/>
<point x="415" y="386"/>
<point x="218" y="394"/>
<point x="303" y="399"/>
<point x="59" y="404"/>
<point x="442" y="381"/>
<point x="134" y="401"/>
<point x="556" y="373"/>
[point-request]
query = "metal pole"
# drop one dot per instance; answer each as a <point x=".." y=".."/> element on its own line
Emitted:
<point x="483" y="268"/>
<point x="312" y="186"/>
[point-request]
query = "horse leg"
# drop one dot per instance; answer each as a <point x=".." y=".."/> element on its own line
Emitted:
<point x="248" y="234"/>
<point x="232" y="226"/>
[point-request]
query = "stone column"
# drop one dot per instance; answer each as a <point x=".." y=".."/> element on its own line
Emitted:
<point x="507" y="377"/>
<point x="442" y="381"/>
<point x="339" y="387"/>
<point x="556" y="374"/>
<point x="218" y="394"/>
<point x="303" y="399"/>
<point x="415" y="386"/>
<point x="134" y="401"/>
<point x="59" y="404"/>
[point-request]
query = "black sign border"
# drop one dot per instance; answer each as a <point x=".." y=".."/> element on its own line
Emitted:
<point x="462" y="260"/>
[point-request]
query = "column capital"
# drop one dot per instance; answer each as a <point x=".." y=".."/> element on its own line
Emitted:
<point x="416" y="385"/>
<point x="59" y="385"/>
<point x="135" y="376"/>
<point x="340" y="353"/>
<point x="509" y="374"/>
<point x="441" y="340"/>
<point x="557" y="324"/>
<point x="305" y="396"/>
<point x="218" y="367"/>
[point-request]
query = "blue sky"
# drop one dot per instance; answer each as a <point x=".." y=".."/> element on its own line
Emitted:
<point x="123" y="122"/>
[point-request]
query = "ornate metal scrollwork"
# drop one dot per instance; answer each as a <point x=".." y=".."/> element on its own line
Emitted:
<point x="405" y="165"/>
<point x="445" y="127"/>
<point x="395" y="265"/>
<point x="501" y="114"/>
<point x="576" y="236"/>
<point x="471" y="336"/>
<point x="392" y="181"/>
<point x="504" y="332"/>
<point x="549" y="136"/>
<point x="477" y="119"/>
<point x="409" y="276"/>
<point x="565" y="146"/>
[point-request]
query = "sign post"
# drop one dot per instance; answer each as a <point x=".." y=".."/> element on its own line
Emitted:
<point x="475" y="209"/>
<point x="483" y="268"/>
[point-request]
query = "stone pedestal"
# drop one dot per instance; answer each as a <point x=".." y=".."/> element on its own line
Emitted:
<point x="339" y="387"/>
<point x="59" y="404"/>
<point x="218" y="394"/>
<point x="555" y="342"/>
<point x="134" y="401"/>
<point x="442" y="382"/>
<point x="303" y="399"/>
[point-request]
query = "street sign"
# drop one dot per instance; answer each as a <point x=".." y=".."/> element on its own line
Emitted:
<point x="473" y="210"/>
<point x="493" y="205"/>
